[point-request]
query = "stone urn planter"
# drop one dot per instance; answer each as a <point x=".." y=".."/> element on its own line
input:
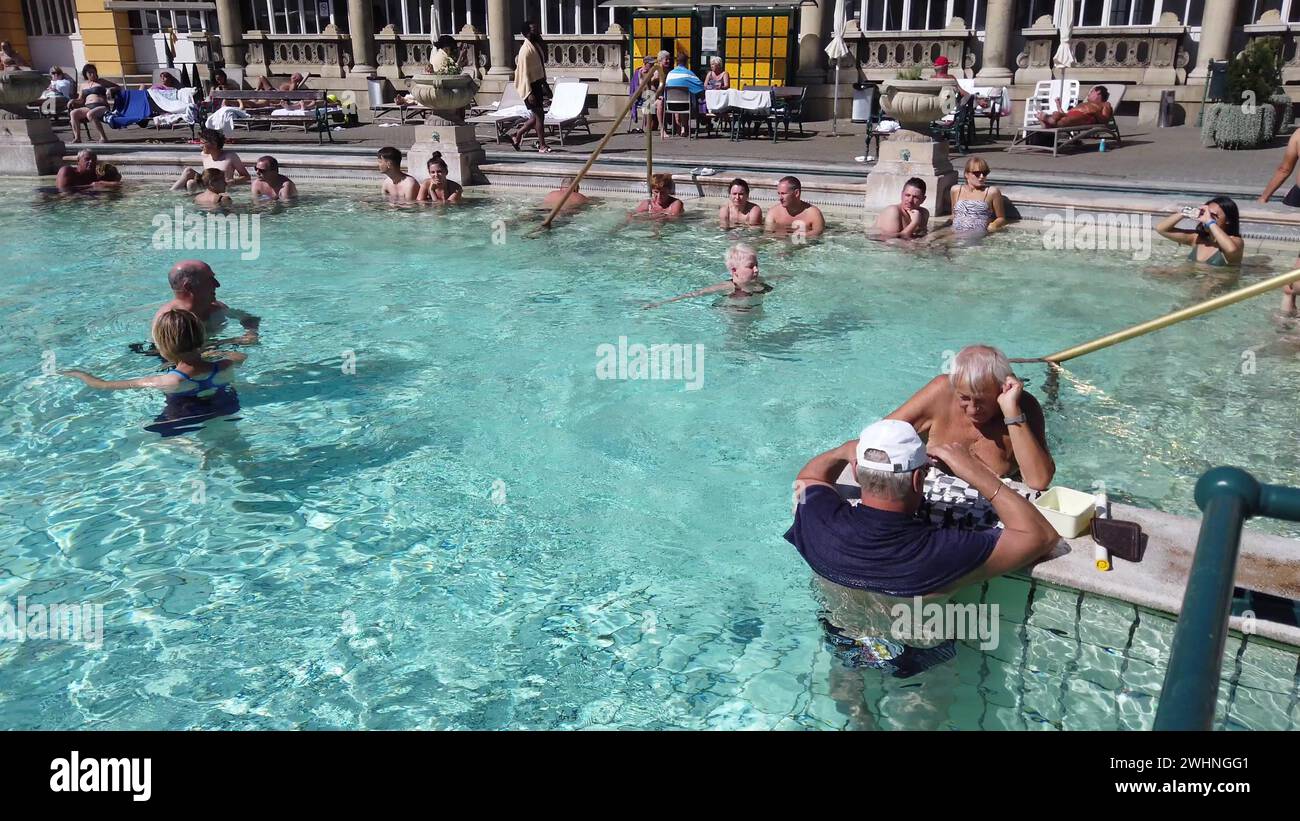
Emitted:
<point x="446" y="133"/>
<point x="27" y="143"/>
<point x="917" y="103"/>
<point x="18" y="89"/>
<point x="447" y="94"/>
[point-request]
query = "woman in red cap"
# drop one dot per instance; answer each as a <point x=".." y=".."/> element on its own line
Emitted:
<point x="941" y="67"/>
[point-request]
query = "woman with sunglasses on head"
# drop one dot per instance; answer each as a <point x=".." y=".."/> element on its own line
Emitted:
<point x="977" y="207"/>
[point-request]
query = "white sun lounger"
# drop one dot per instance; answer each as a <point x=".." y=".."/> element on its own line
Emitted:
<point x="1073" y="134"/>
<point x="509" y="111"/>
<point x="568" y="109"/>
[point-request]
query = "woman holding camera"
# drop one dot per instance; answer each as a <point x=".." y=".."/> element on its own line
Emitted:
<point x="1216" y="240"/>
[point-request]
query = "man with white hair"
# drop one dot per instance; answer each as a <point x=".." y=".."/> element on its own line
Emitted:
<point x="983" y="406"/>
<point x="880" y="546"/>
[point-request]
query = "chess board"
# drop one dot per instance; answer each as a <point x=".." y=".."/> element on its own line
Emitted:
<point x="948" y="502"/>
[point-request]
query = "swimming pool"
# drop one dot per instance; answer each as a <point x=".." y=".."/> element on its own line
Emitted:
<point x="473" y="530"/>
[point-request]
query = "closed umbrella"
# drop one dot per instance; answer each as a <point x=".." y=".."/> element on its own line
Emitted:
<point x="1064" y="57"/>
<point x="837" y="49"/>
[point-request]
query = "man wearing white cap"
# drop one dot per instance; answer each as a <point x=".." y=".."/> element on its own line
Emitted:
<point x="880" y="545"/>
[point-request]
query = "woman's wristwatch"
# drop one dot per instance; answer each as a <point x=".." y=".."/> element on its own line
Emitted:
<point x="1014" y="420"/>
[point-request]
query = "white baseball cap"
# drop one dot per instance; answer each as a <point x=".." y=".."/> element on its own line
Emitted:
<point x="898" y="440"/>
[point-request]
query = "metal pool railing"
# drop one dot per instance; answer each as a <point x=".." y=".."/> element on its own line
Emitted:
<point x="1227" y="497"/>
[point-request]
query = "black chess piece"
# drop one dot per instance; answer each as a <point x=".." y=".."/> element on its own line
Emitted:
<point x="968" y="523"/>
<point x="990" y="518"/>
<point x="948" y="519"/>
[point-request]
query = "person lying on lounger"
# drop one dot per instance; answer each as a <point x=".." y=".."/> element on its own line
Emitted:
<point x="1095" y="110"/>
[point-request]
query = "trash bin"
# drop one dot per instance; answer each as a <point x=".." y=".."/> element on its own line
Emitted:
<point x="864" y="100"/>
<point x="1166" y="117"/>
<point x="376" y="90"/>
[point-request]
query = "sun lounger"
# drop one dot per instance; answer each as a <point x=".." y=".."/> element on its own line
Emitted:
<point x="509" y="111"/>
<point x="568" y="108"/>
<point x="1057" y="138"/>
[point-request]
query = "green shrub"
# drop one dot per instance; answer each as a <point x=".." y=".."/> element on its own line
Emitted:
<point x="1282" y="102"/>
<point x="1228" y="125"/>
<point x="1256" y="72"/>
<point x="913" y="73"/>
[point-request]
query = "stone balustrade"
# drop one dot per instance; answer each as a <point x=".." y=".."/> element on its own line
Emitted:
<point x="404" y="55"/>
<point x="882" y="54"/>
<point x="328" y="54"/>
<point x="1270" y="24"/>
<point x="1150" y="55"/>
<point x="600" y="57"/>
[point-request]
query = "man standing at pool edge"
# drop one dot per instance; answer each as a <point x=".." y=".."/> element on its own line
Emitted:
<point x="880" y="545"/>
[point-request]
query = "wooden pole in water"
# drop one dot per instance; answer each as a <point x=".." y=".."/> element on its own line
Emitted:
<point x="1170" y="319"/>
<point x="649" y="139"/>
<point x="631" y="101"/>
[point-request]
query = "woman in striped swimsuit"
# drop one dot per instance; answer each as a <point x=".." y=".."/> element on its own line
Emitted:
<point x="977" y="207"/>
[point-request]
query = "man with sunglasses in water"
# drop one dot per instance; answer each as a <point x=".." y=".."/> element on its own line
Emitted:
<point x="270" y="183"/>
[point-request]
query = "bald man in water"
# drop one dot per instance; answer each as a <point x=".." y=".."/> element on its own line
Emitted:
<point x="194" y="289"/>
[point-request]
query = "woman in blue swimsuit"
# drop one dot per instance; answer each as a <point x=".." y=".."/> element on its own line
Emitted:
<point x="196" y="388"/>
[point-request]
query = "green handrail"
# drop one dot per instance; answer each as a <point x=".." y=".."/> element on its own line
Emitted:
<point x="1227" y="497"/>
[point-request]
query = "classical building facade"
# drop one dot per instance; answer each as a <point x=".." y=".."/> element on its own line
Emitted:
<point x="1154" y="45"/>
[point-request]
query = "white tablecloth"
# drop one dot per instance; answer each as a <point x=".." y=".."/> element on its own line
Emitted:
<point x="719" y="101"/>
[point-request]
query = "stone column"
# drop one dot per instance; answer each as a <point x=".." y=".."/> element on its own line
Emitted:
<point x="995" y="65"/>
<point x="231" y="23"/>
<point x="810" y="44"/>
<point x="1216" y="33"/>
<point x="361" y="30"/>
<point x="499" y="40"/>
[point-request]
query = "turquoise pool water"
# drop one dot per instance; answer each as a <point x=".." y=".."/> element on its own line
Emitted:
<point x="472" y="530"/>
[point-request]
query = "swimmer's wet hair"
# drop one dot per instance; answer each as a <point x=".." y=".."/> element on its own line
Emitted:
<point x="436" y="159"/>
<point x="739" y="251"/>
<point x="177" y="332"/>
<point x="210" y="176"/>
<point x="915" y="182"/>
<point x="792" y="181"/>
<point x="738" y="181"/>
<point x="983" y="367"/>
<point x="107" y="172"/>
<point x="211" y="135"/>
<point x="662" y="182"/>
<point x="391" y="154"/>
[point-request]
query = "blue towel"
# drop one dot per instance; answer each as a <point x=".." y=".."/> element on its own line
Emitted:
<point x="132" y="107"/>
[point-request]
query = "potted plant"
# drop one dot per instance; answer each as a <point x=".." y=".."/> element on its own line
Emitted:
<point x="447" y="92"/>
<point x="914" y="102"/>
<point x="1251" y="117"/>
